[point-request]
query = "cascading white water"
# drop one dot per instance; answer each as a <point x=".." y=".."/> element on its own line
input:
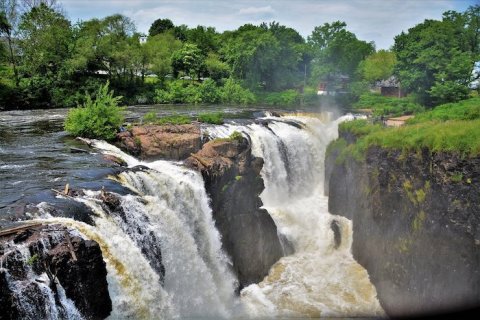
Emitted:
<point x="171" y="211"/>
<point x="169" y="215"/>
<point x="318" y="279"/>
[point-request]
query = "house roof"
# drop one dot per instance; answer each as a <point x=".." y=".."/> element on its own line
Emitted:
<point x="391" y="82"/>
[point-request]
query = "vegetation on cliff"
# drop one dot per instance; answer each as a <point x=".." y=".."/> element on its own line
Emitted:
<point x="453" y="127"/>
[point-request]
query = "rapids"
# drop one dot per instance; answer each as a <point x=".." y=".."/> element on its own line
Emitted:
<point x="164" y="255"/>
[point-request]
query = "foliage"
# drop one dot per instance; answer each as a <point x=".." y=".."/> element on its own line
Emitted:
<point x="233" y="93"/>
<point x="378" y="66"/>
<point x="188" y="60"/>
<point x="152" y="118"/>
<point x="284" y="98"/>
<point x="160" y="26"/>
<point x="392" y="106"/>
<point x="235" y="136"/>
<point x="212" y="118"/>
<point x="455" y="127"/>
<point x="436" y="58"/>
<point x="270" y="57"/>
<point x="336" y="50"/>
<point x="99" y="117"/>
<point x="463" y="110"/>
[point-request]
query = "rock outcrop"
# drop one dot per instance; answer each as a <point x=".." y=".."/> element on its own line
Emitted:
<point x="232" y="179"/>
<point x="45" y="268"/>
<point x="153" y="142"/>
<point x="416" y="226"/>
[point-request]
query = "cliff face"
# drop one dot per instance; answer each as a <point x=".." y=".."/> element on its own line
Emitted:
<point x="416" y="226"/>
<point x="232" y="179"/>
<point x="45" y="265"/>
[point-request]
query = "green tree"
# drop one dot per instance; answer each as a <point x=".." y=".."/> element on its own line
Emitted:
<point x="251" y="52"/>
<point x="336" y="50"/>
<point x="6" y="30"/>
<point x="160" y="26"/>
<point x="378" y="66"/>
<point x="45" y="39"/>
<point x="436" y="58"/>
<point x="216" y="69"/>
<point x="189" y="60"/>
<point x="159" y="51"/>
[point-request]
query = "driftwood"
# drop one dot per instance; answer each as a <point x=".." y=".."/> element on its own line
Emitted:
<point x="70" y="247"/>
<point x="13" y="230"/>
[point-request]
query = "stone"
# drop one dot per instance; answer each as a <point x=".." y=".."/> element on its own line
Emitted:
<point x="58" y="252"/>
<point x="153" y="142"/>
<point x="232" y="179"/>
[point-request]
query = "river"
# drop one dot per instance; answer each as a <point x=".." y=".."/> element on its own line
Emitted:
<point x="167" y="205"/>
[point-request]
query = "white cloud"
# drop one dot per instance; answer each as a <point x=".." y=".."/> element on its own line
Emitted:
<point x="256" y="10"/>
<point x="370" y="20"/>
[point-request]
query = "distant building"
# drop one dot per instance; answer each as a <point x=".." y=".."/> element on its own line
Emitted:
<point x="333" y="85"/>
<point x="389" y="87"/>
<point x="142" y="39"/>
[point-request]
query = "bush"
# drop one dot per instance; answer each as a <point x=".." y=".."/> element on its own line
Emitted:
<point x="213" y="118"/>
<point x="382" y="105"/>
<point x="233" y="92"/>
<point x="463" y="110"/>
<point x="97" y="118"/>
<point x="174" y="119"/>
<point x="284" y="98"/>
<point x="150" y="117"/>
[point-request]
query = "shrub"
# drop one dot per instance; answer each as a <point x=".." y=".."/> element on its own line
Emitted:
<point x="174" y="119"/>
<point x="97" y="118"/>
<point x="213" y="118"/>
<point x="233" y="92"/>
<point x="382" y="105"/>
<point x="150" y="117"/>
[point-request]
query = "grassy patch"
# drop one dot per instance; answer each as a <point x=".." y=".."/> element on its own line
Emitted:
<point x="463" y="110"/>
<point x="213" y="118"/>
<point x="457" y="136"/>
<point x="152" y="118"/>
<point x="391" y="106"/>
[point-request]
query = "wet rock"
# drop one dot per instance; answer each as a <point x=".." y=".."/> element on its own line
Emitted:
<point x="173" y="142"/>
<point x="55" y="256"/>
<point x="416" y="226"/>
<point x="232" y="179"/>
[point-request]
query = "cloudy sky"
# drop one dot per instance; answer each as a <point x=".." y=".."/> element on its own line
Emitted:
<point x="370" y="20"/>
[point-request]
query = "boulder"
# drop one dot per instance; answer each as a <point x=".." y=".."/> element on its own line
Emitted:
<point x="232" y="179"/>
<point x="153" y="142"/>
<point x="42" y="261"/>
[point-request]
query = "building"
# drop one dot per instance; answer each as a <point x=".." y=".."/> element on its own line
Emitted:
<point x="389" y="87"/>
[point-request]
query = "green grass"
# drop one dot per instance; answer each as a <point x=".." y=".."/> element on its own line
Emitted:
<point x="213" y="118"/>
<point x="152" y="118"/>
<point x="390" y="106"/>
<point x="463" y="110"/>
<point x="453" y="127"/>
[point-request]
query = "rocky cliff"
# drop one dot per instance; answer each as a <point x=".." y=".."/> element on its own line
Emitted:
<point x="416" y="225"/>
<point x="153" y="142"/>
<point x="45" y="268"/>
<point x="232" y="179"/>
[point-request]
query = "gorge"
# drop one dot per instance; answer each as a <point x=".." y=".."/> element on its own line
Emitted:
<point x="241" y="227"/>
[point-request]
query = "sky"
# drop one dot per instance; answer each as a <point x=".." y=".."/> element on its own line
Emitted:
<point x="371" y="20"/>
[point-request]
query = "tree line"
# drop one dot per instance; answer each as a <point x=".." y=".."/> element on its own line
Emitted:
<point x="48" y="61"/>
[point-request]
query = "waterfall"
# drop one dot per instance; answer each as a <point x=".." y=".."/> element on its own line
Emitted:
<point x="321" y="278"/>
<point x="164" y="255"/>
<point x="162" y="249"/>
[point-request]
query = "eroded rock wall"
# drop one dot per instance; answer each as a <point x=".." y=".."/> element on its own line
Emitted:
<point x="34" y="259"/>
<point x="232" y="179"/>
<point x="416" y="226"/>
